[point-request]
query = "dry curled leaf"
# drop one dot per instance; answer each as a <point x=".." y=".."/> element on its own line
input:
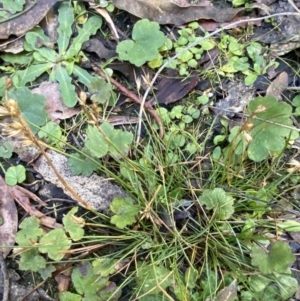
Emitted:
<point x="23" y="196"/>
<point x="172" y="89"/>
<point x="104" y="13"/>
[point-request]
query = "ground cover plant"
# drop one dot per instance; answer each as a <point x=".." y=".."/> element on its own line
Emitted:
<point x="209" y="210"/>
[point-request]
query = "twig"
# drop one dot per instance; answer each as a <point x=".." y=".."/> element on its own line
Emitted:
<point x="197" y="41"/>
<point x="134" y="97"/>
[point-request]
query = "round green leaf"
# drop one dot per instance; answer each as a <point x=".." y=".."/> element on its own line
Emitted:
<point x="147" y="39"/>
<point x="15" y="175"/>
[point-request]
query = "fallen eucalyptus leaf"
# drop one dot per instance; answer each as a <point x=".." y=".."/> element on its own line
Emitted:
<point x="166" y="12"/>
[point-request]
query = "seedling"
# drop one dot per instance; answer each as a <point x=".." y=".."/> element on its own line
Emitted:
<point x="189" y="58"/>
<point x="237" y="56"/>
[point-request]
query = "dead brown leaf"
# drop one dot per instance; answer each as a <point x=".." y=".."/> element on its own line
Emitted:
<point x="278" y="85"/>
<point x="23" y="196"/>
<point x="13" y="45"/>
<point x="9" y="216"/>
<point x="50" y="24"/>
<point x="172" y="89"/>
<point x="97" y="46"/>
<point x="166" y="12"/>
<point x="31" y="17"/>
<point x="55" y="107"/>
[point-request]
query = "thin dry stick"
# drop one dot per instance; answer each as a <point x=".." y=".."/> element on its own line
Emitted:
<point x="134" y="97"/>
<point x="197" y="41"/>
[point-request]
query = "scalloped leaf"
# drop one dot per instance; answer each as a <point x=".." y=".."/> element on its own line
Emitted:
<point x="15" y="175"/>
<point x="87" y="283"/>
<point x="219" y="201"/>
<point x="101" y="90"/>
<point x="105" y="266"/>
<point x="154" y="279"/>
<point x="270" y="131"/>
<point x="6" y="150"/>
<point x="32" y="261"/>
<point x="147" y="39"/>
<point x="125" y="212"/>
<point x="108" y="139"/>
<point x="29" y="233"/>
<point x="13" y="6"/>
<point x="270" y="137"/>
<point x="277" y="259"/>
<point x="55" y="243"/>
<point x="74" y="225"/>
<point x="80" y="164"/>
